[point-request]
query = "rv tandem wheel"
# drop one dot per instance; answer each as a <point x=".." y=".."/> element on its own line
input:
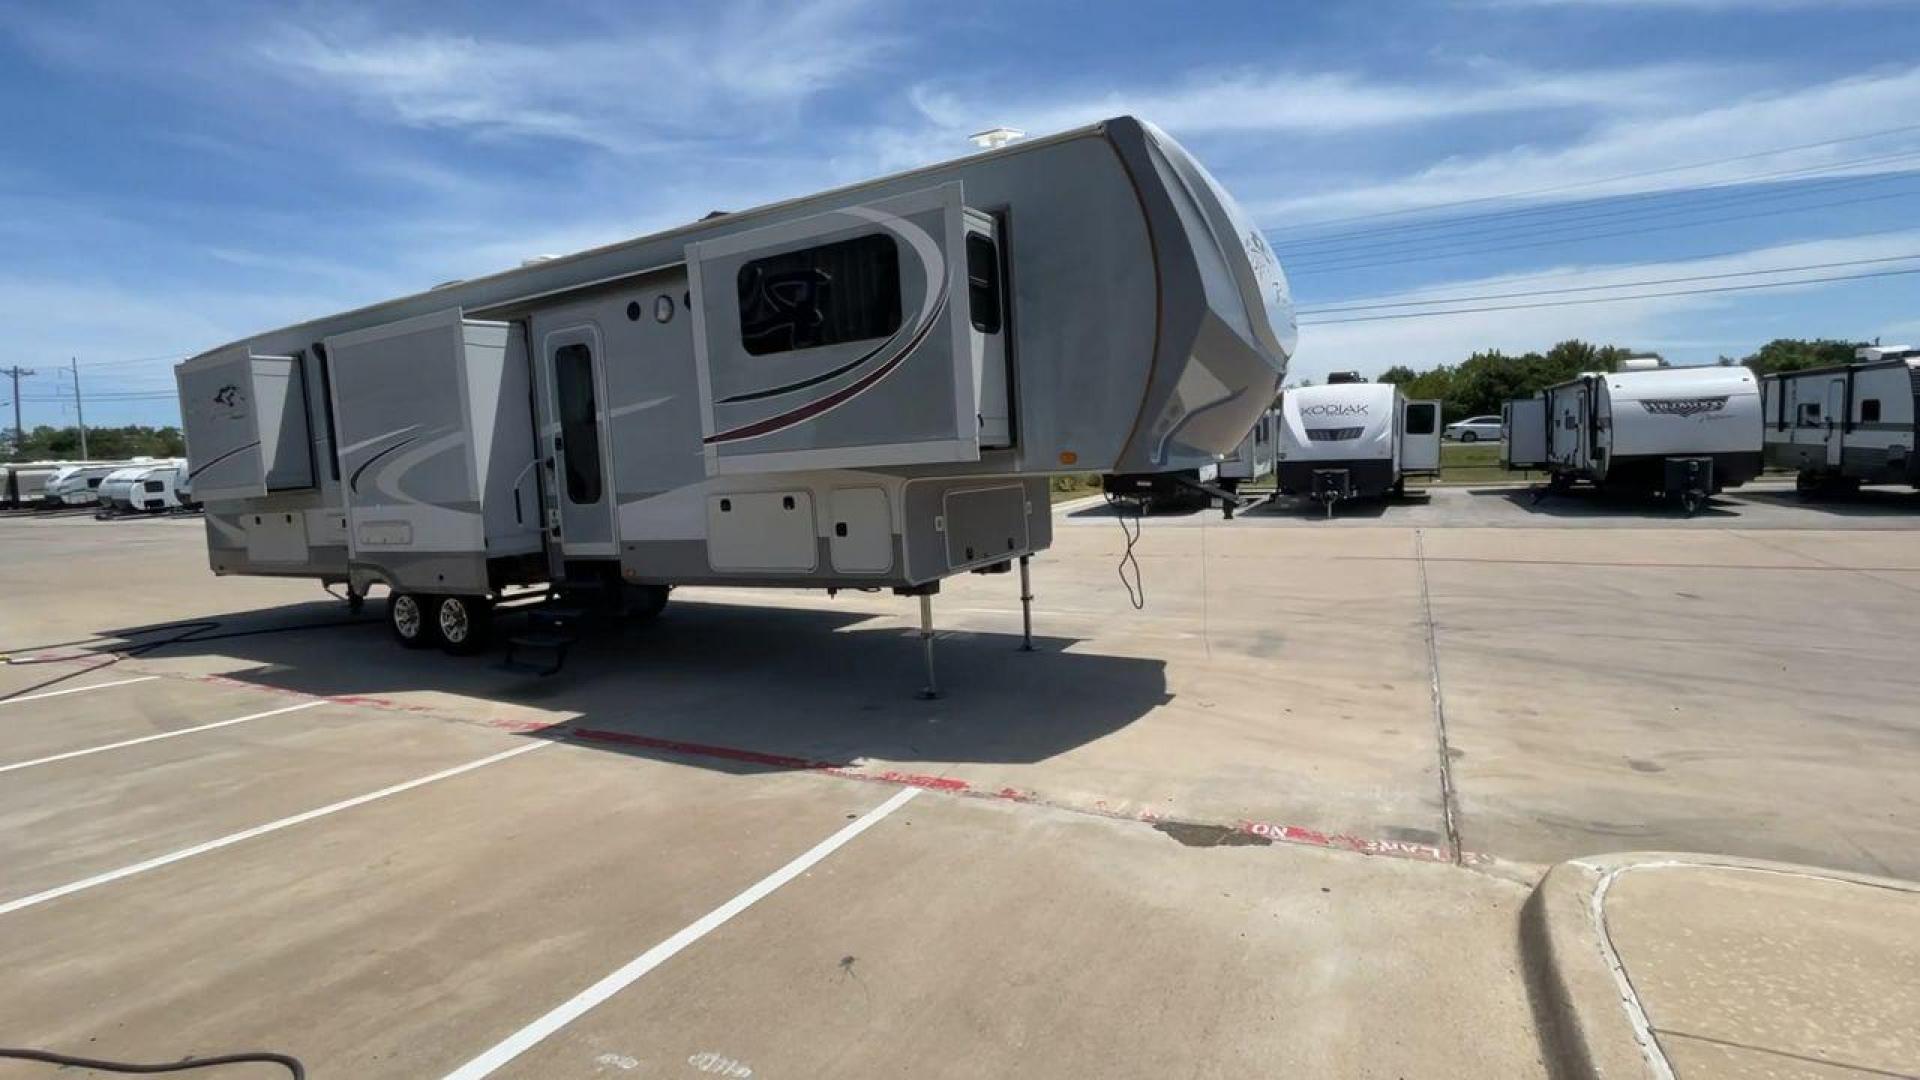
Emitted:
<point x="463" y="623"/>
<point x="411" y="620"/>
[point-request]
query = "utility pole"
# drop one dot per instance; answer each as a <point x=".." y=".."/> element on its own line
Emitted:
<point x="79" y="413"/>
<point x="19" y="433"/>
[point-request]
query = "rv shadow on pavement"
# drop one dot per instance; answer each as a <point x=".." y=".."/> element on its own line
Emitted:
<point x="785" y="687"/>
<point x="1867" y="502"/>
<point x="1584" y="502"/>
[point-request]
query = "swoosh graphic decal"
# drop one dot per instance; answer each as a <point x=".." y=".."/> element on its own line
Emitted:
<point x="837" y="398"/>
<point x="353" y="482"/>
<point x="223" y="457"/>
<point x="816" y="380"/>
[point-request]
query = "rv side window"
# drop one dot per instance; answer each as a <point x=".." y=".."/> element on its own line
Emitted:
<point x="983" y="283"/>
<point x="1420" y="419"/>
<point x="1870" y="410"/>
<point x="579" y="421"/>
<point x="1809" y="414"/>
<point x="818" y="296"/>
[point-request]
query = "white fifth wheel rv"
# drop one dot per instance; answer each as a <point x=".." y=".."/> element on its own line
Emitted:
<point x="1843" y="426"/>
<point x="863" y="388"/>
<point x="1352" y="439"/>
<point x="1681" y="432"/>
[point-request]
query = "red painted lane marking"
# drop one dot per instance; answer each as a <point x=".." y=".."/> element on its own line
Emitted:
<point x="1276" y="831"/>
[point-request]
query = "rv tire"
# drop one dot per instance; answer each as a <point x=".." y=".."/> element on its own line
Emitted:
<point x="410" y="617"/>
<point x="463" y="623"/>
<point x="646" y="602"/>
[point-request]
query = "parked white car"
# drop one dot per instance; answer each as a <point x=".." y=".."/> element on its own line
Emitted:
<point x="1474" y="429"/>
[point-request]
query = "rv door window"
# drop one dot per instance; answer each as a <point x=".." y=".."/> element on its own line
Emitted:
<point x="153" y="486"/>
<point x="1809" y="415"/>
<point x="1420" y="419"/>
<point x="983" y="283"/>
<point x="579" y="421"/>
<point x="845" y="291"/>
<point x="1870" y="410"/>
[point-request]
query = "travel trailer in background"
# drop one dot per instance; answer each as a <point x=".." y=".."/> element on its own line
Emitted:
<point x="78" y="485"/>
<point x="1353" y="439"/>
<point x="1843" y="426"/>
<point x="1683" y="433"/>
<point x="1247" y="463"/>
<point x="866" y="388"/>
<point x="25" y="484"/>
<point x="143" y="488"/>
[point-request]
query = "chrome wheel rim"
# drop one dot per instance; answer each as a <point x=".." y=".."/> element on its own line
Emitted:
<point x="406" y="616"/>
<point x="453" y="620"/>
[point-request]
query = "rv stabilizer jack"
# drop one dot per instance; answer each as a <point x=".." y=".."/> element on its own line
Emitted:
<point x="932" y="689"/>
<point x="1026" y="606"/>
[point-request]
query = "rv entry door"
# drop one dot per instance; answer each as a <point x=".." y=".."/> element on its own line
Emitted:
<point x="1420" y="437"/>
<point x="1836" y="420"/>
<point x="573" y="440"/>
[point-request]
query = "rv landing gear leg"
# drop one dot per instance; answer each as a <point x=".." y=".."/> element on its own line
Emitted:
<point x="1026" y="607"/>
<point x="932" y="689"/>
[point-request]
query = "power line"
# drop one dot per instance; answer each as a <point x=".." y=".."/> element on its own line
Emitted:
<point x="1365" y="264"/>
<point x="1618" y="299"/>
<point x="1620" y="285"/>
<point x="1574" y="227"/>
<point x="1611" y="206"/>
<point x="1903" y="129"/>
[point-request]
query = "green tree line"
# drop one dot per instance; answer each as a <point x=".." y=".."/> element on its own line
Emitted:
<point x="103" y="443"/>
<point x="1483" y="382"/>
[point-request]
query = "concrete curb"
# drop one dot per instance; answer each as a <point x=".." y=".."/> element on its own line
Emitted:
<point x="1584" y="1030"/>
<point x="1587" y="1024"/>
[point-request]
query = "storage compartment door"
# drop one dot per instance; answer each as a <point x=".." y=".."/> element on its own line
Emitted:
<point x="246" y="424"/>
<point x="1420" y="436"/>
<point x="839" y="340"/>
<point x="1523" y="433"/>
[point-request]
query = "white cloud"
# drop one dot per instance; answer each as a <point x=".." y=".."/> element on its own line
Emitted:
<point x="627" y="88"/>
<point x="1312" y="103"/>
<point x="1640" y="144"/>
<point x="1679" y="325"/>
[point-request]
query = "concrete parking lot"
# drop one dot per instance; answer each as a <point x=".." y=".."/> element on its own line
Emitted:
<point x="1281" y="821"/>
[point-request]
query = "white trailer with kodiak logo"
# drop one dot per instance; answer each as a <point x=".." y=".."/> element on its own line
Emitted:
<point x="1683" y="433"/>
<point x="1843" y="426"/>
<point x="1353" y="439"/>
<point x="865" y="388"/>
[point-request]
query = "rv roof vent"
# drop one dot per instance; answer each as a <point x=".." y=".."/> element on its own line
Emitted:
<point x="447" y="284"/>
<point x="1643" y="362"/>
<point x="1334" y="377"/>
<point x="536" y="260"/>
<point x="995" y="138"/>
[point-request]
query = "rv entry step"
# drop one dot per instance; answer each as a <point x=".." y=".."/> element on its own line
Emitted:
<point x="550" y="631"/>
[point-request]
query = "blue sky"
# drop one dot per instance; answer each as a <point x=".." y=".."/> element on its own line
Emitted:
<point x="174" y="176"/>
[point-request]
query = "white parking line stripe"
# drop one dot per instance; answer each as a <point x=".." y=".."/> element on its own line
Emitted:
<point x="523" y="1040"/>
<point x="259" y="830"/>
<point x="155" y="738"/>
<point x="77" y="690"/>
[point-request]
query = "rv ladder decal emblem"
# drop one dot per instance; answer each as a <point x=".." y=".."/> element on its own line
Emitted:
<point x="228" y="396"/>
<point x="1685" y="406"/>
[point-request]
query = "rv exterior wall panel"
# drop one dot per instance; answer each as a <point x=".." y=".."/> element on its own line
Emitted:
<point x="245" y="419"/>
<point x="1524" y="429"/>
<point x="435" y="444"/>
<point x="905" y="396"/>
